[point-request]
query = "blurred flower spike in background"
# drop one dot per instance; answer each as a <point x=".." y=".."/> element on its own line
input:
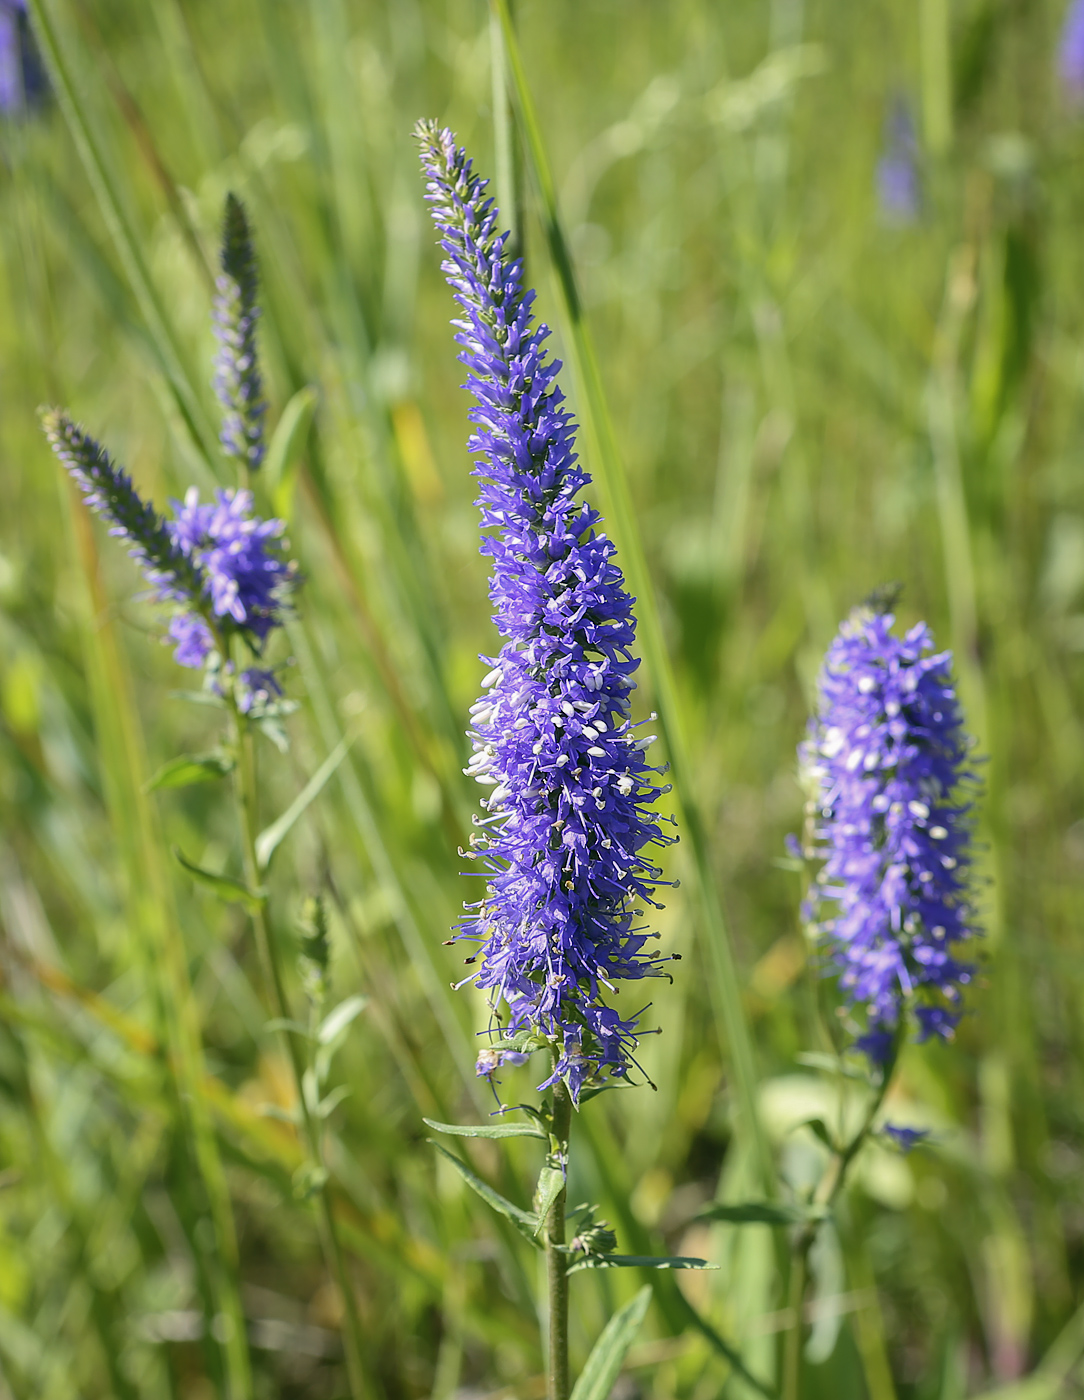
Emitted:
<point x="237" y="379"/>
<point x="1070" y="61"/>
<point x="899" y="194"/>
<point x="222" y="568"/>
<point x="885" y="765"/>
<point x="22" y="79"/>
<point x="569" y="786"/>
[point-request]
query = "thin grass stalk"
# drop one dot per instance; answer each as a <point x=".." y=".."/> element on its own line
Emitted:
<point x="247" y="795"/>
<point x="166" y="961"/>
<point x="605" y="456"/>
<point x="508" y="168"/>
<point x="91" y="152"/>
<point x="447" y="1010"/>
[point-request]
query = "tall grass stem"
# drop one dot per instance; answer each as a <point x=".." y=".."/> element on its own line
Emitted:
<point x="613" y="482"/>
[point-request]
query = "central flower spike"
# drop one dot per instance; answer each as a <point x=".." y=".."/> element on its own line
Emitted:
<point x="568" y="815"/>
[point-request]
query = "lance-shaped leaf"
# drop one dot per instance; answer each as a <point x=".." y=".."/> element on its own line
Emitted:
<point x="285" y="448"/>
<point x="829" y="1064"/>
<point x="639" y="1261"/>
<point x="762" y="1213"/>
<point x="269" y="840"/>
<point x="603" y="1365"/>
<point x="551" y="1182"/>
<point x="192" y="768"/>
<point x="338" y="1020"/>
<point x="523" y="1220"/>
<point x="486" y="1130"/>
<point x="225" y="886"/>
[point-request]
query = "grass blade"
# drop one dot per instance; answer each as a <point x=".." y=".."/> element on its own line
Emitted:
<point x="603" y="1365"/>
<point x="603" y="451"/>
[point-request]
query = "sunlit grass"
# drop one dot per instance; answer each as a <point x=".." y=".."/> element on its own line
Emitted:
<point x="806" y="403"/>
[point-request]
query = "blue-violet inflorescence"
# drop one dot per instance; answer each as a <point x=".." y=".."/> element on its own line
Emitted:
<point x="223" y="569"/>
<point x="899" y="192"/>
<point x="568" y="815"/>
<point x="1070" y="57"/>
<point x="886" y="762"/>
<point x="237" y="379"/>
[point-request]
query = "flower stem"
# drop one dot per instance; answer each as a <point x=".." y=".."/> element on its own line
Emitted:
<point x="792" y="1346"/>
<point x="334" y="1257"/>
<point x="831" y="1184"/>
<point x="556" y="1260"/>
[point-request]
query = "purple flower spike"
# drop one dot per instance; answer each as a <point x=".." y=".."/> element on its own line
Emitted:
<point x="898" y="190"/>
<point x="1071" y="53"/>
<point x="22" y="81"/>
<point x="237" y="379"/>
<point x="886" y="759"/>
<point x="109" y="492"/>
<point x="218" y="564"/>
<point x="568" y="816"/>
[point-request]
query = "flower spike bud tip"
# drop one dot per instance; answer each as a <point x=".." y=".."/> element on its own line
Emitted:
<point x="108" y="490"/>
<point x="886" y="761"/>
<point x="568" y="788"/>
<point x="214" y="562"/>
<point x="237" y="380"/>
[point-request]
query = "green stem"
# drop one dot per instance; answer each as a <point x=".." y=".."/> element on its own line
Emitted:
<point x="135" y="820"/>
<point x="334" y="1256"/>
<point x="792" y="1346"/>
<point x="556" y="1260"/>
<point x="826" y="1194"/>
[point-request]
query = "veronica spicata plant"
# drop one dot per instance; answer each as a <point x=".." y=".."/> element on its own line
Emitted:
<point x="568" y="823"/>
<point x="887" y="767"/>
<point x="224" y="575"/>
<point x="888" y="773"/>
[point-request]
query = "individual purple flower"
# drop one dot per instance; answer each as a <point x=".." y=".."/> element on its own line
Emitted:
<point x="899" y="193"/>
<point x="258" y="689"/>
<point x="906" y="1139"/>
<point x="237" y="379"/>
<point x="568" y="818"/>
<point x="1070" y="57"/>
<point x="194" y="639"/>
<point x="108" y="490"/>
<point x="887" y="764"/>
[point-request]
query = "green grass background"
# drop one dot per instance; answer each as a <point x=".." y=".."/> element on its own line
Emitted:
<point x="807" y="402"/>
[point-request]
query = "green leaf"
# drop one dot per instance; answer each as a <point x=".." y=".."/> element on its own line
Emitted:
<point x="198" y="697"/>
<point x="269" y="840"/>
<point x="338" y="1020"/>
<point x="640" y="1261"/>
<point x="589" y="1094"/>
<point x="191" y="768"/>
<point x="829" y="1064"/>
<point x="330" y="1102"/>
<point x="285" y="448"/>
<point x="761" y="1213"/>
<point x="523" y="1220"/>
<point x="819" y="1128"/>
<point x="225" y="886"/>
<point x="551" y="1182"/>
<point x="487" y="1130"/>
<point x="282" y="1023"/>
<point x="603" y="1365"/>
